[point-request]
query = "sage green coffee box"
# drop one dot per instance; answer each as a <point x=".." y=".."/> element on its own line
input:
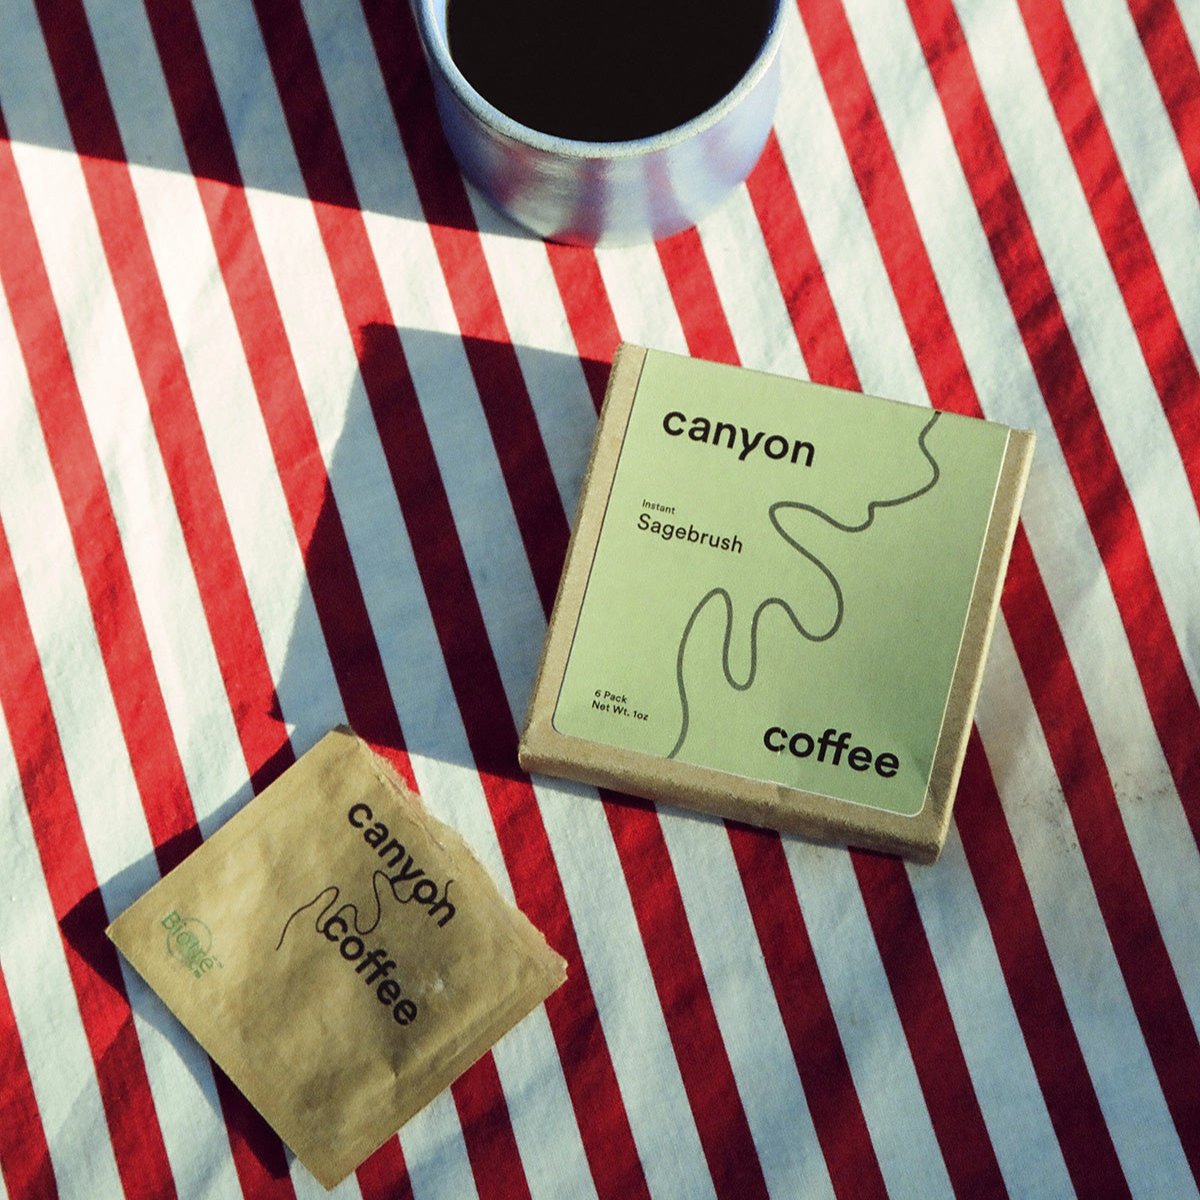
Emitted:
<point x="777" y="602"/>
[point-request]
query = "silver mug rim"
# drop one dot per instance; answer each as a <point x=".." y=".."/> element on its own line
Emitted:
<point x="433" y="33"/>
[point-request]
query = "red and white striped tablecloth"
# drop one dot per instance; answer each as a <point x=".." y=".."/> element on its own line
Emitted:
<point x="292" y="426"/>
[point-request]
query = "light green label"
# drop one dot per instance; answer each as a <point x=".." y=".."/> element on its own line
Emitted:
<point x="781" y="582"/>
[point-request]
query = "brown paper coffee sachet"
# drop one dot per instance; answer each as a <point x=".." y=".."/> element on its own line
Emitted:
<point x="339" y="953"/>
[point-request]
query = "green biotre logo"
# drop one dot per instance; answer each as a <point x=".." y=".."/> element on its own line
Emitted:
<point x="189" y="941"/>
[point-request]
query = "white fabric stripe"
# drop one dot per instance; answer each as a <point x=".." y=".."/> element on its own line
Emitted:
<point x="306" y="1187"/>
<point x="760" y="1057"/>
<point x="841" y="232"/>
<point x="299" y="271"/>
<point x="545" y="348"/>
<point x="1058" y="531"/>
<point x="991" y="1038"/>
<point x="751" y="1026"/>
<point x="985" y="1021"/>
<point x="872" y="1036"/>
<point x="641" y="301"/>
<point x="750" y="296"/>
<point x="1146" y="147"/>
<point x="432" y="1145"/>
<point x="96" y="757"/>
<point x="45" y="1009"/>
<point x="235" y="435"/>
<point x="1093" y="990"/>
<point x="282" y="216"/>
<point x="94" y="328"/>
<point x="993" y="1045"/>
<point x="1093" y="309"/>
<point x="511" y="611"/>
<point x="899" y="1145"/>
<point x="385" y="558"/>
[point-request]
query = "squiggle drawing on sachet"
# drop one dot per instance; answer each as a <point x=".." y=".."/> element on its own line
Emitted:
<point x="325" y="916"/>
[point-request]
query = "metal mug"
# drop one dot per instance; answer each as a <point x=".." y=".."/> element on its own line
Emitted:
<point x="603" y="193"/>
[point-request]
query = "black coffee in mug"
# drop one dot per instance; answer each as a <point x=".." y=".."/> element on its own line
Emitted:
<point x="605" y="70"/>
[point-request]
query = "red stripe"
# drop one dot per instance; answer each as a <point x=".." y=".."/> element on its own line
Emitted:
<point x="695" y="296"/>
<point x="483" y="1111"/>
<point x="691" y="1020"/>
<point x="501" y="387"/>
<point x="458" y="620"/>
<point x="798" y="271"/>
<point x="702" y="316"/>
<point x="258" y="1154"/>
<point x="1054" y="1049"/>
<point x="589" y="315"/>
<point x="384" y="1176"/>
<point x="1173" y="704"/>
<point x="70" y="878"/>
<point x="337" y="595"/>
<point x="510" y="416"/>
<point x="1146" y="966"/>
<point x="1120" y="890"/>
<point x="1033" y="986"/>
<point x="24" y="1153"/>
<point x="675" y="966"/>
<point x="928" y="1027"/>
<point x="1174" y="707"/>
<point x="812" y="1031"/>
<point x="198" y="502"/>
<point x="704" y="1065"/>
<point x="1173" y="62"/>
<point x="97" y="543"/>
<point x="475" y="679"/>
<point x="692" y="1024"/>
<point x="887" y="893"/>
<point x="1124" y="901"/>
<point x="820" y="1060"/>
<point x="491" y="1145"/>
